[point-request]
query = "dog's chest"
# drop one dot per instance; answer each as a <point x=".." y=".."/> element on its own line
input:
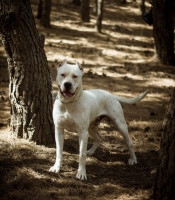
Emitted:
<point x="68" y="122"/>
<point x="65" y="118"/>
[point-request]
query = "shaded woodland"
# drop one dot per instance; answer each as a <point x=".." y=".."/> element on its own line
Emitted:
<point x="121" y="53"/>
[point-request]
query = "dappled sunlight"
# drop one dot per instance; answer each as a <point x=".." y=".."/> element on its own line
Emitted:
<point x="32" y="173"/>
<point x="142" y="123"/>
<point x="126" y="75"/>
<point x="137" y="25"/>
<point x="111" y="7"/>
<point x="119" y="60"/>
<point x="51" y="56"/>
<point x="133" y="48"/>
<point x="117" y="46"/>
<point x="161" y="82"/>
<point x="110" y="52"/>
<point x="118" y="51"/>
<point x="121" y="36"/>
<point x="68" y="24"/>
<point x="156" y="97"/>
<point x="72" y="42"/>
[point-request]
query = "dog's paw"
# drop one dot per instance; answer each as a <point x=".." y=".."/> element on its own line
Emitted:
<point x="132" y="161"/>
<point x="55" y="168"/>
<point x="82" y="174"/>
<point x="90" y="152"/>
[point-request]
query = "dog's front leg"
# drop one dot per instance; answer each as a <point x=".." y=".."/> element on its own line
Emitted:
<point x="59" y="138"/>
<point x="83" y="140"/>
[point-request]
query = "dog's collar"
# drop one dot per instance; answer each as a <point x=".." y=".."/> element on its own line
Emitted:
<point x="57" y="97"/>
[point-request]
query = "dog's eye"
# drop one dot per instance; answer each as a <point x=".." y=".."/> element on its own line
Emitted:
<point x="74" y="76"/>
<point x="63" y="75"/>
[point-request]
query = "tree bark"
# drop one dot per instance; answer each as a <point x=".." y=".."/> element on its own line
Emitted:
<point x="76" y="2"/>
<point x="40" y="8"/>
<point x="163" y="30"/>
<point x="99" y="15"/>
<point x="95" y="8"/>
<point x="29" y="87"/>
<point x="164" y="188"/>
<point x="142" y="6"/>
<point x="85" y="11"/>
<point x="46" y="10"/>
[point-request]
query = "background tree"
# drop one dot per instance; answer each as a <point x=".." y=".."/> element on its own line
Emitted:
<point x="142" y="6"/>
<point x="165" y="179"/>
<point x="85" y="10"/>
<point x="94" y="11"/>
<point x="99" y="15"/>
<point x="76" y="2"/>
<point x="44" y="10"/>
<point x="29" y="87"/>
<point x="39" y="11"/>
<point x="163" y="30"/>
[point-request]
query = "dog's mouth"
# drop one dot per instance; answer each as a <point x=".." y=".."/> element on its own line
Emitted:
<point x="67" y="94"/>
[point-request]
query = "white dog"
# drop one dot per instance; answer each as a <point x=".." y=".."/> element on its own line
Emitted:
<point x="76" y="110"/>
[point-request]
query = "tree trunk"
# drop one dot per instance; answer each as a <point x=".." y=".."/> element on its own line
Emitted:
<point x="46" y="10"/>
<point x="99" y="15"/>
<point x="164" y="188"/>
<point x="85" y="10"/>
<point x="163" y="30"/>
<point x="95" y="8"/>
<point x="29" y="87"/>
<point x="142" y="6"/>
<point x="40" y="8"/>
<point x="76" y="2"/>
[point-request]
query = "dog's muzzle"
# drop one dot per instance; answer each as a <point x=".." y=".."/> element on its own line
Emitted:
<point x="67" y="85"/>
<point x="67" y="90"/>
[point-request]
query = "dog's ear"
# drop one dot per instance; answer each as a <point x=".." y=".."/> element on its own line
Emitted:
<point x="80" y="66"/>
<point x="62" y="63"/>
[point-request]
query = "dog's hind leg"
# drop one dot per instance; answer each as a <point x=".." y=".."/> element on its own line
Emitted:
<point x="123" y="129"/>
<point x="116" y="114"/>
<point x="93" y="131"/>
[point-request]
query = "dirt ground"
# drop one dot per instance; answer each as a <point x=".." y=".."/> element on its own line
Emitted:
<point x="121" y="61"/>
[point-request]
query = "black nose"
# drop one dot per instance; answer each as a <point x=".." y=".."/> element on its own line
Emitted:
<point x="67" y="85"/>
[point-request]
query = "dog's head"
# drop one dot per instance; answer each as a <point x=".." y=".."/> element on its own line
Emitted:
<point x="69" y="80"/>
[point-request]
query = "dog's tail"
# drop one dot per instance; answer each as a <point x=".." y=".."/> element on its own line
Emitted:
<point x="132" y="100"/>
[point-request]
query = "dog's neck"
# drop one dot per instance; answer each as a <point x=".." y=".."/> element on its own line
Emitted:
<point x="73" y="99"/>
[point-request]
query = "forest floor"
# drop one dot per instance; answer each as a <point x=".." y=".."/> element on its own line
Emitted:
<point x="119" y="60"/>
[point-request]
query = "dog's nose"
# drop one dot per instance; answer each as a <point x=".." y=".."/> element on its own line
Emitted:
<point x="67" y="85"/>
